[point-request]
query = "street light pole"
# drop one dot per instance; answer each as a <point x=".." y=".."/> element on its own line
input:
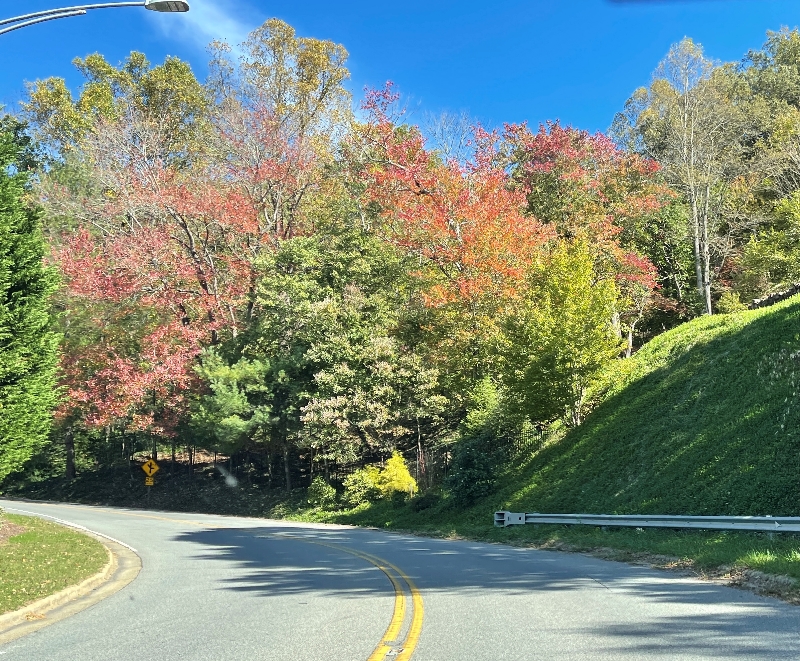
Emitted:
<point x="168" y="6"/>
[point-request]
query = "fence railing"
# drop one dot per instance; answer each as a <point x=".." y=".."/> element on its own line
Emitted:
<point x="528" y="439"/>
<point x="748" y="523"/>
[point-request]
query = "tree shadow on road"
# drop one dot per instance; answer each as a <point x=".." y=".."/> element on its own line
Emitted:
<point x="625" y="608"/>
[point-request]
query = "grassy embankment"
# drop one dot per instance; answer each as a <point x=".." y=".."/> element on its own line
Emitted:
<point x="40" y="558"/>
<point x="702" y="420"/>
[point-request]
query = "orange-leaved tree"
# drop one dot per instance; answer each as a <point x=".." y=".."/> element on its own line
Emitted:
<point x="463" y="224"/>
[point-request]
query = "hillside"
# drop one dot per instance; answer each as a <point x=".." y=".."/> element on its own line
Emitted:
<point x="705" y="421"/>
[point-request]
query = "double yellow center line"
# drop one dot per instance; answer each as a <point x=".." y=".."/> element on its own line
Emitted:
<point x="397" y="577"/>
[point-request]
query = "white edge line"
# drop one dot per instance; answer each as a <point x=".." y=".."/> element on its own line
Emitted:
<point x="73" y="525"/>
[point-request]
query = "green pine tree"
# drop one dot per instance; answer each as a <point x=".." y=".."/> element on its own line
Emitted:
<point x="28" y="345"/>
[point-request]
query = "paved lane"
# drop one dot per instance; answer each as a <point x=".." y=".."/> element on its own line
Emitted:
<point x="215" y="588"/>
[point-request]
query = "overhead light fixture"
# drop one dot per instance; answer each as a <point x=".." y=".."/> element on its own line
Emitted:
<point x="167" y="5"/>
<point x="17" y="22"/>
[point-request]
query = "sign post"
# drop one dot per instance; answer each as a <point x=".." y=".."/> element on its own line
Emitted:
<point x="150" y="468"/>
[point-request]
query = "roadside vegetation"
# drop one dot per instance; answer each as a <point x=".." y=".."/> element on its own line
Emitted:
<point x="724" y="383"/>
<point x="39" y="558"/>
<point x="299" y="309"/>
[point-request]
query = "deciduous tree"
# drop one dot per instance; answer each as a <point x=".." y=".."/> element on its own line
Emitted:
<point x="462" y="222"/>
<point x="687" y="121"/>
<point x="561" y="338"/>
<point x="585" y="187"/>
<point x="182" y="189"/>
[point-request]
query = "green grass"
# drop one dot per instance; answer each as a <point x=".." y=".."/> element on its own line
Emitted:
<point x="704" y="551"/>
<point x="704" y="420"/>
<point x="44" y="559"/>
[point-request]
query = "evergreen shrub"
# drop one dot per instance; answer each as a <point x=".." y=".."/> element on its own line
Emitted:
<point x="425" y="501"/>
<point x="321" y="494"/>
<point x="476" y="462"/>
<point x="361" y="486"/>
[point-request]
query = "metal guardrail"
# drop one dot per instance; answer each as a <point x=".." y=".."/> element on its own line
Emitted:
<point x="759" y="523"/>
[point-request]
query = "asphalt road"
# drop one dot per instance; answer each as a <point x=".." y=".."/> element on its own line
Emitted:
<point x="216" y="588"/>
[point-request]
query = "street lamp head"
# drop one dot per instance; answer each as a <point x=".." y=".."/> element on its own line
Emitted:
<point x="166" y="5"/>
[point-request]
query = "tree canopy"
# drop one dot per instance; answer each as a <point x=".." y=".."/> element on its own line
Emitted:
<point x="252" y="268"/>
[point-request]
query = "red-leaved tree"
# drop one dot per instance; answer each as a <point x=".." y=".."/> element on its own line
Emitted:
<point x="176" y="247"/>
<point x="583" y="186"/>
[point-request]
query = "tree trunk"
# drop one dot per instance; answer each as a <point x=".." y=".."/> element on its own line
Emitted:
<point x="69" y="451"/>
<point x="616" y="324"/>
<point x="678" y="287"/>
<point x="286" y="467"/>
<point x="706" y="254"/>
<point x="577" y="409"/>
<point x="422" y="473"/>
<point x="629" y="349"/>
<point x="698" y="259"/>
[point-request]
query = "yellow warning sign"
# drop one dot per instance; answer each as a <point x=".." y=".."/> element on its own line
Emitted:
<point x="150" y="467"/>
<point x="148" y="481"/>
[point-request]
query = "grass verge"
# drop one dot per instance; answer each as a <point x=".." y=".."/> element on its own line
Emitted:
<point x="703" y="419"/>
<point x="43" y="559"/>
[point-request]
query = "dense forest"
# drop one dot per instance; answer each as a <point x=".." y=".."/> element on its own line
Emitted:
<point x="262" y="269"/>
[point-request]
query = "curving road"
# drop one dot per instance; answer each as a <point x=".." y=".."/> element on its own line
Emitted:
<point x="216" y="588"/>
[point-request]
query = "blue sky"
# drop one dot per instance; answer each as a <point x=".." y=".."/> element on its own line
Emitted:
<point x="499" y="61"/>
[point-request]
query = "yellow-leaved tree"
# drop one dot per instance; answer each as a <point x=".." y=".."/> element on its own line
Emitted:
<point x="395" y="477"/>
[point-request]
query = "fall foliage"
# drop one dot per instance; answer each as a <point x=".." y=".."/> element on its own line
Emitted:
<point x="251" y="268"/>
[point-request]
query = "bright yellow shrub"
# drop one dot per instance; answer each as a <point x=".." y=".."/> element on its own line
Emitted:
<point x="395" y="477"/>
